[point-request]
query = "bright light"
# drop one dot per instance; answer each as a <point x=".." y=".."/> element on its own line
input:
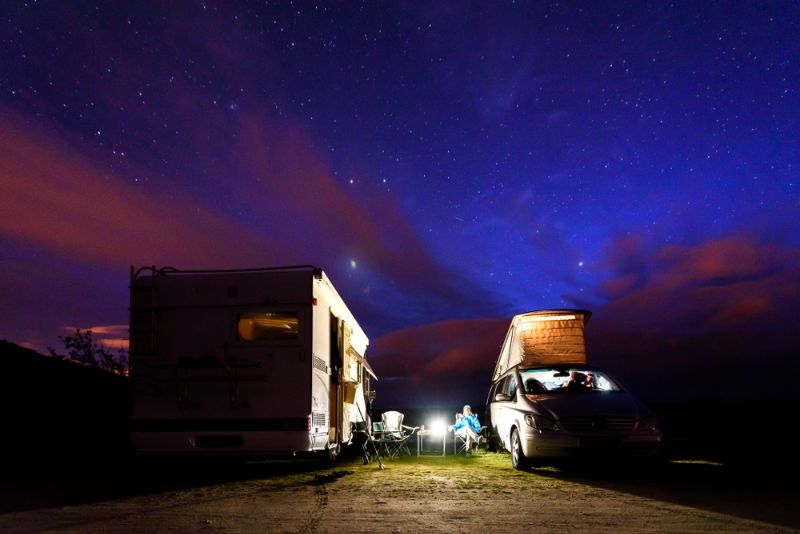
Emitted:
<point x="438" y="427"/>
<point x="353" y="264"/>
<point x="550" y="318"/>
<point x="526" y="322"/>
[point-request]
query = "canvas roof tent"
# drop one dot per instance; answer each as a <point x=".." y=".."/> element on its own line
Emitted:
<point x="544" y="337"/>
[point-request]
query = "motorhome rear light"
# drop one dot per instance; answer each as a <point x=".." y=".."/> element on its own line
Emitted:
<point x="308" y="423"/>
<point x="314" y="301"/>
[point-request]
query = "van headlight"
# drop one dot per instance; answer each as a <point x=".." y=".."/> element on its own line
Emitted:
<point x="540" y="422"/>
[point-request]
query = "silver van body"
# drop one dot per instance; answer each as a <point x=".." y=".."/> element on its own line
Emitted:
<point x="563" y="419"/>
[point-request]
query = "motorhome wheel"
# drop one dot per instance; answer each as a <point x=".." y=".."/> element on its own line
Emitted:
<point x="331" y="454"/>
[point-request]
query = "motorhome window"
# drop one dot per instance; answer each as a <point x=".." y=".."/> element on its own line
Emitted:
<point x="268" y="326"/>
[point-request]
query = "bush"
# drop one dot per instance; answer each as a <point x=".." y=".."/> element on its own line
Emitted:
<point x="82" y="349"/>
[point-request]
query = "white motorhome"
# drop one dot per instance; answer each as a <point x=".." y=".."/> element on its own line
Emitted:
<point x="253" y="362"/>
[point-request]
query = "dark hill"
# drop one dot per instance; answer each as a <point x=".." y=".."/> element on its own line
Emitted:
<point x="52" y="406"/>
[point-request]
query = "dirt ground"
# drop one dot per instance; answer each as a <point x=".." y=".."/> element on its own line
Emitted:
<point x="413" y="494"/>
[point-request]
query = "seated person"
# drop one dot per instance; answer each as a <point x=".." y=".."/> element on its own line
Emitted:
<point x="578" y="380"/>
<point x="589" y="382"/>
<point x="467" y="426"/>
<point x="575" y="381"/>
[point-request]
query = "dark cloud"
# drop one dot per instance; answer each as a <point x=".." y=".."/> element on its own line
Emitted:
<point x="57" y="199"/>
<point x="713" y="319"/>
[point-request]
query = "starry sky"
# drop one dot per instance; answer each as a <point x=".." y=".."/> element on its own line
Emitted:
<point x="449" y="164"/>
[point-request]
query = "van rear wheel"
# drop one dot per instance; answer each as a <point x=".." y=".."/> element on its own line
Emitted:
<point x="518" y="459"/>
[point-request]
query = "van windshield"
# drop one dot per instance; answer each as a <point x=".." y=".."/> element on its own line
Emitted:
<point x="575" y="379"/>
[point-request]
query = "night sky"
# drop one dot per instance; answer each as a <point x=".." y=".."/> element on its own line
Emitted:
<point x="448" y="164"/>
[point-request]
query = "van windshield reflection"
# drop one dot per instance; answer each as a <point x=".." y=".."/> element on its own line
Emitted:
<point x="578" y="379"/>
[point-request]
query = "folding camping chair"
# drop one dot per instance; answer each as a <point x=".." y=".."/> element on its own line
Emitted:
<point x="361" y="430"/>
<point x="381" y="438"/>
<point x="395" y="435"/>
<point x="388" y="441"/>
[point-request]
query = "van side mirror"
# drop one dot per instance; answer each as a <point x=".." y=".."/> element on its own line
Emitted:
<point x="502" y="397"/>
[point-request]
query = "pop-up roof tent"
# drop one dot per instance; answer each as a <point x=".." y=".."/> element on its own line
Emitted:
<point x="544" y="337"/>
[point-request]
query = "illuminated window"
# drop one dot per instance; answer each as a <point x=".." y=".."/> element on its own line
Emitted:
<point x="268" y="326"/>
<point x="566" y="379"/>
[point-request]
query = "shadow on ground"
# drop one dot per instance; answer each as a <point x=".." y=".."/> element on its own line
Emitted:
<point x="760" y="490"/>
<point x="44" y="482"/>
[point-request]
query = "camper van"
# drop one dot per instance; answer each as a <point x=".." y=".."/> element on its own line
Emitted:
<point x="251" y="362"/>
<point x="545" y="402"/>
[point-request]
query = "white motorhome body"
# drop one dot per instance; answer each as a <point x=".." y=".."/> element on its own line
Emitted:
<point x="262" y="361"/>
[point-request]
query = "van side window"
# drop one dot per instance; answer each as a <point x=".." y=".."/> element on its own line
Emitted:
<point x="510" y="386"/>
<point x="493" y="391"/>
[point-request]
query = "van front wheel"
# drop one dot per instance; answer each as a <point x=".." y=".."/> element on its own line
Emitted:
<point x="518" y="459"/>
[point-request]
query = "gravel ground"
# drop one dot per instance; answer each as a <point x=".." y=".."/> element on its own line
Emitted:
<point x="478" y="494"/>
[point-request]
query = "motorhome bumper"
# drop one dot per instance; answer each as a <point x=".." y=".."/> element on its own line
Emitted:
<point x="257" y="442"/>
<point x="230" y="424"/>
